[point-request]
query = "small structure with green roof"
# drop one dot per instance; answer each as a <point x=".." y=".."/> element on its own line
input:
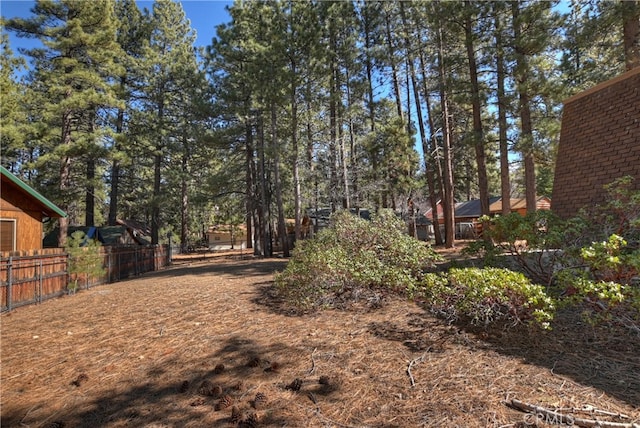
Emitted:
<point x="22" y="212"/>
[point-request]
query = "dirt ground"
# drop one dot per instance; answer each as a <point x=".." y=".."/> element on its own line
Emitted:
<point x="206" y="343"/>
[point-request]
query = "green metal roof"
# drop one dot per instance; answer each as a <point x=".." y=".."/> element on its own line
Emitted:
<point x="52" y="208"/>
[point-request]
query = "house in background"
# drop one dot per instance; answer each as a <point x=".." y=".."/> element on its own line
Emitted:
<point x="127" y="232"/>
<point x="467" y="214"/>
<point x="226" y="237"/>
<point x="22" y="212"/>
<point x="519" y="205"/>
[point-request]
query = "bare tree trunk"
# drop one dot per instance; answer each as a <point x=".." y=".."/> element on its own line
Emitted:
<point x="432" y="164"/>
<point x="184" y="204"/>
<point x="333" y="131"/>
<point x="392" y="61"/>
<point x="282" y="227"/>
<point x="448" y="199"/>
<point x="65" y="178"/>
<point x="114" y="192"/>
<point x="264" y="237"/>
<point x="505" y="184"/>
<point x="250" y="181"/>
<point x="353" y="160"/>
<point x="344" y="170"/>
<point x="478" y="134"/>
<point x="423" y="135"/>
<point x="157" y="168"/>
<point x="369" y="68"/>
<point x="522" y="77"/>
<point x="89" y="199"/>
<point x="297" y="191"/>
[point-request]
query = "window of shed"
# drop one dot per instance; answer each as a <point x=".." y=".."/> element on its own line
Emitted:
<point x="7" y="234"/>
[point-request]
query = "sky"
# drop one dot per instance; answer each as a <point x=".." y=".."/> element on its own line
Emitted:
<point x="204" y="15"/>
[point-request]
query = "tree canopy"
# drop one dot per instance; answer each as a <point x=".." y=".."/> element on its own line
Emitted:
<point x="297" y="106"/>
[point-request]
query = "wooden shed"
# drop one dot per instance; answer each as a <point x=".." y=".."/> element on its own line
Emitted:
<point x="22" y="211"/>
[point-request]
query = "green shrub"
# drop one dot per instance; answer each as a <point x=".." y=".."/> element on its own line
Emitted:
<point x="487" y="296"/>
<point x="85" y="259"/>
<point x="354" y="260"/>
<point x="605" y="282"/>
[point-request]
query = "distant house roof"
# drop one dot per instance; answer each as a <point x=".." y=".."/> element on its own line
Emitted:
<point x="472" y="208"/>
<point x="323" y="214"/>
<point x="138" y="227"/>
<point x="542" y="202"/>
<point x="106" y="235"/>
<point x="49" y="209"/>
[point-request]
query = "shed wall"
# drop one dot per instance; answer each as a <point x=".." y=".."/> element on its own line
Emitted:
<point x="28" y="221"/>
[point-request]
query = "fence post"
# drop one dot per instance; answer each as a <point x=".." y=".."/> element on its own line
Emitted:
<point x="41" y="285"/>
<point x="9" y="282"/>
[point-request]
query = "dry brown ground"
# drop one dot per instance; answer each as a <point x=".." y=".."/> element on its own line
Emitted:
<point x="136" y="353"/>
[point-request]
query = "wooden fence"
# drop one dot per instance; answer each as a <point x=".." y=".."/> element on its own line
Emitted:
<point x="31" y="277"/>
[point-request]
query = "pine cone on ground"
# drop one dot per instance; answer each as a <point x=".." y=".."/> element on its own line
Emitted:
<point x="254" y="362"/>
<point x="225" y="402"/>
<point x="207" y="388"/>
<point x="259" y="401"/>
<point x="236" y="415"/>
<point x="251" y="421"/>
<point x="184" y="387"/>
<point x="329" y="384"/>
<point x="295" y="385"/>
<point x="219" y="368"/>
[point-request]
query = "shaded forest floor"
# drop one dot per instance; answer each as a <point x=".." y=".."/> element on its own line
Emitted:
<point x="184" y="346"/>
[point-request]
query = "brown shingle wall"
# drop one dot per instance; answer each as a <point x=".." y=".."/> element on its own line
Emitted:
<point x="599" y="142"/>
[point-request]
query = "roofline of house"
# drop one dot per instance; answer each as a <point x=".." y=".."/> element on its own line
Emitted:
<point x="603" y="85"/>
<point x="22" y="185"/>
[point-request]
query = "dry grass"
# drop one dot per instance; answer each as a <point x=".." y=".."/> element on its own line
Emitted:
<point x="206" y="343"/>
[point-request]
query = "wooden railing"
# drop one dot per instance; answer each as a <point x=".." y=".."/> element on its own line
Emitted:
<point x="34" y="276"/>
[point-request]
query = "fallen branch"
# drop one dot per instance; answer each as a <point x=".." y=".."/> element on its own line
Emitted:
<point x="592" y="410"/>
<point x="313" y="362"/>
<point x="413" y="363"/>
<point x="554" y="417"/>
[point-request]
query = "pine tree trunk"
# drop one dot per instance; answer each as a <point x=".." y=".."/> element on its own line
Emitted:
<point x="526" y="128"/>
<point x="65" y="177"/>
<point x="505" y="180"/>
<point x="249" y="182"/>
<point x="89" y="200"/>
<point x="114" y="192"/>
<point x="157" y="170"/>
<point x="333" y="131"/>
<point x="282" y="227"/>
<point x="392" y="62"/>
<point x="184" y="203"/>
<point x="263" y="234"/>
<point x="448" y="199"/>
<point x="297" y="191"/>
<point x="431" y="170"/>
<point x="478" y="135"/>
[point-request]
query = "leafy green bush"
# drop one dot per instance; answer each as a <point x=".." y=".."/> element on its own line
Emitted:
<point x="606" y="282"/>
<point x="592" y="260"/>
<point x="486" y="296"/>
<point x="354" y="260"/>
<point x="536" y="242"/>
